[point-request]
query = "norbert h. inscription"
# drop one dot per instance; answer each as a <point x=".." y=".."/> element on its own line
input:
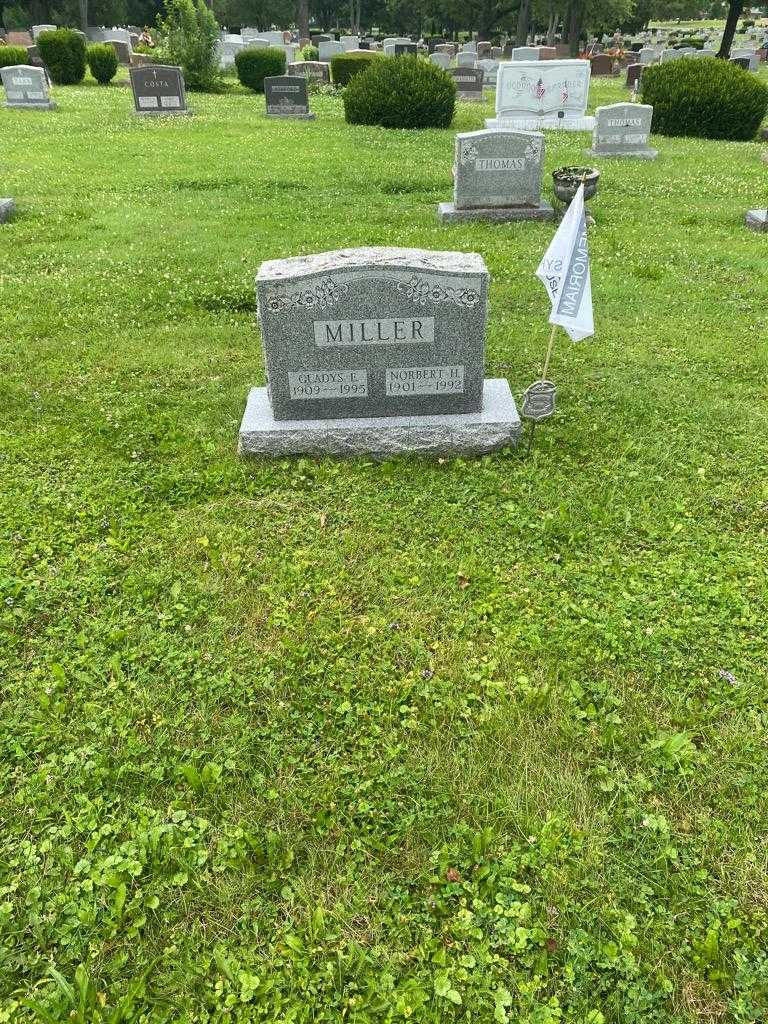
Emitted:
<point x="319" y="384"/>
<point x="343" y="333"/>
<point x="425" y="380"/>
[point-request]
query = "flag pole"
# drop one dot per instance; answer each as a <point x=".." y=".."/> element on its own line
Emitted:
<point x="544" y="369"/>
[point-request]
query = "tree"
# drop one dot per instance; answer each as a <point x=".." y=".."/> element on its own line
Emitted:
<point x="735" y="8"/>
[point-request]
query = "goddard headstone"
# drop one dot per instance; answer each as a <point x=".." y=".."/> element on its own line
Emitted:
<point x="543" y="94"/>
<point x="287" y="96"/>
<point x="26" y="87"/>
<point x="376" y="351"/>
<point x="497" y="177"/>
<point x="469" y="84"/>
<point x="623" y="129"/>
<point x="158" y="90"/>
<point x="314" y="70"/>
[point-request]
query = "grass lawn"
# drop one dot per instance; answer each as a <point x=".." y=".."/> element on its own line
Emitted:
<point x="317" y="740"/>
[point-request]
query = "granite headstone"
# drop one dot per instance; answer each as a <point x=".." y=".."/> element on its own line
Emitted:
<point x="26" y="87"/>
<point x="287" y="96"/>
<point x="542" y="94"/>
<point x="623" y="129"/>
<point x="158" y="90"/>
<point x="469" y="84"/>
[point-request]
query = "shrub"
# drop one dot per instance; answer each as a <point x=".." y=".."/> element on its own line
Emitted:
<point x="190" y="39"/>
<point x="344" y="66"/>
<point x="706" y="98"/>
<point x="695" y="44"/>
<point x="102" y="60"/>
<point x="400" y="92"/>
<point x="253" y="66"/>
<point x="310" y="52"/>
<point x="10" y="55"/>
<point x="63" y="53"/>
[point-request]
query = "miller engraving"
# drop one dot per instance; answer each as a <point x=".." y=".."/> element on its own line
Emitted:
<point x="343" y="333"/>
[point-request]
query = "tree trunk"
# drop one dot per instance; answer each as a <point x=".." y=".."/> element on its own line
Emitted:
<point x="551" y="28"/>
<point x="735" y="8"/>
<point x="523" y="23"/>
<point x="302" y="18"/>
<point x="575" y="22"/>
<point x="83" y="14"/>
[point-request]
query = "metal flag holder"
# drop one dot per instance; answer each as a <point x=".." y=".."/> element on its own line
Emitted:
<point x="539" y="397"/>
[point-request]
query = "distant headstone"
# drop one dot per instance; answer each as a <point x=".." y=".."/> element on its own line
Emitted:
<point x="328" y="49"/>
<point x="19" y="39"/>
<point x="314" y="70"/>
<point x="742" y="62"/>
<point x="287" y="96"/>
<point x="483" y="50"/>
<point x="497" y="52"/>
<point x="469" y="47"/>
<point x="602" y="65"/>
<point x="37" y="29"/>
<point x="469" y="84"/>
<point x="406" y="49"/>
<point x="273" y="38"/>
<point x="490" y="72"/>
<point x="122" y="50"/>
<point x="7" y="210"/>
<point x="757" y="220"/>
<point x="497" y="177"/>
<point x="350" y="42"/>
<point x="542" y="94"/>
<point x="671" y="54"/>
<point x="648" y="55"/>
<point x="376" y="352"/>
<point x="158" y="90"/>
<point x="465" y="59"/>
<point x="26" y="87"/>
<point x="525" y="53"/>
<point x="623" y="129"/>
<point x="547" y="53"/>
<point x="443" y="60"/>
<point x="33" y="57"/>
<point x="634" y="74"/>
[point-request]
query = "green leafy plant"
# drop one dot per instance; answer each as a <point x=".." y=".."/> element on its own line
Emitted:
<point x="310" y="52"/>
<point x="190" y="35"/>
<point x="344" y="66"/>
<point x="253" y="66"/>
<point x="102" y="61"/>
<point x="63" y="53"/>
<point x="706" y="98"/>
<point x="10" y="55"/>
<point x="400" y="92"/>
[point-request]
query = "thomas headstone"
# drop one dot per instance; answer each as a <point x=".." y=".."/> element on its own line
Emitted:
<point x="497" y="177"/>
<point x="469" y="84"/>
<point x="158" y="90"/>
<point x="623" y="129"/>
<point x="543" y="94"/>
<point x="378" y="352"/>
<point x="26" y="87"/>
<point x="287" y="96"/>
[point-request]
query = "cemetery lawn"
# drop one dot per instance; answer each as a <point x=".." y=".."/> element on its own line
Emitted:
<point x="312" y="740"/>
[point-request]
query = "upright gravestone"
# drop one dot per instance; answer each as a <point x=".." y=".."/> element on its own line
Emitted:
<point x="543" y="94"/>
<point x="497" y="177"/>
<point x="314" y="70"/>
<point x="602" y="65"/>
<point x="443" y="60"/>
<point x="287" y="96"/>
<point x="7" y="210"/>
<point x="406" y="49"/>
<point x="465" y="59"/>
<point x="648" y="55"/>
<point x="158" y="90"/>
<point x="377" y="352"/>
<point x="525" y="53"/>
<point x="634" y="75"/>
<point x="123" y="50"/>
<point x="26" y="87"/>
<point x="469" y="84"/>
<point x="37" y="29"/>
<point x="490" y="72"/>
<point x="329" y="49"/>
<point x="622" y="129"/>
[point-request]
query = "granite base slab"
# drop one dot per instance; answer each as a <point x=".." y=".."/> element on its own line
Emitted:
<point x="7" y="209"/>
<point x="448" y="214"/>
<point x="537" y="124"/>
<point x="293" y="117"/>
<point x="648" y="154"/>
<point x="162" y="113"/>
<point x="50" y="105"/>
<point x="497" y="425"/>
<point x="757" y="220"/>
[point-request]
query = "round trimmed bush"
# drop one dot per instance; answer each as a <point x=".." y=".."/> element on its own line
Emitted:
<point x="310" y="52"/>
<point x="102" y="60"/>
<point x="690" y="44"/>
<point x="10" y="55"/>
<point x="707" y="98"/>
<point x="401" y="92"/>
<point x="253" y="66"/>
<point x="344" y="66"/>
<point x="63" y="53"/>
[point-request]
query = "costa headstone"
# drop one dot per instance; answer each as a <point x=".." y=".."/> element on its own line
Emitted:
<point x="623" y="129"/>
<point x="158" y="90"/>
<point x="314" y="70"/>
<point x="26" y="87"/>
<point x="497" y="177"/>
<point x="378" y="352"/>
<point x="469" y="84"/>
<point x="287" y="96"/>
<point x="543" y="94"/>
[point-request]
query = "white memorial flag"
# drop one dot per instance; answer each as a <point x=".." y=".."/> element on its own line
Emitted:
<point x="564" y="271"/>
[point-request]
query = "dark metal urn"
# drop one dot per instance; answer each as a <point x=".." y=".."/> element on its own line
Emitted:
<point x="567" y="180"/>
